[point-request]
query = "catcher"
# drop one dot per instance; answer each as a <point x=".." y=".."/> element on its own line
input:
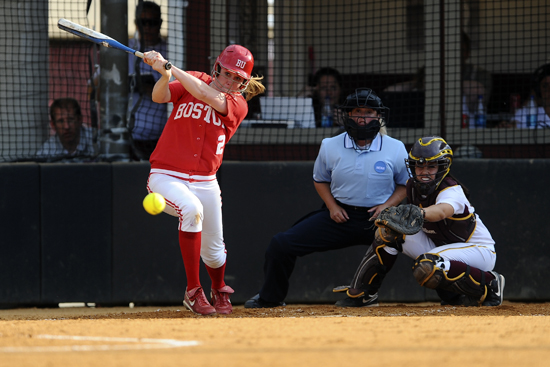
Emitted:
<point x="453" y="251"/>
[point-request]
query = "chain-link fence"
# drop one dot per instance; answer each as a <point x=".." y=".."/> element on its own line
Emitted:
<point x="472" y="71"/>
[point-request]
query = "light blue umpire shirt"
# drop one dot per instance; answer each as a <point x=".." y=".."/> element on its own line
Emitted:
<point x="361" y="177"/>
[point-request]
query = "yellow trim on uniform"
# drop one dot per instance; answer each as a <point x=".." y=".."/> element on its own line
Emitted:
<point x="377" y="254"/>
<point x="431" y="274"/>
<point x="469" y="216"/>
<point x="474" y="231"/>
<point x="448" y="187"/>
<point x="473" y="280"/>
<point x="451" y="249"/>
<point x="445" y="151"/>
<point x="355" y="295"/>
<point x="374" y="276"/>
<point x="452" y="279"/>
<point x="483" y="297"/>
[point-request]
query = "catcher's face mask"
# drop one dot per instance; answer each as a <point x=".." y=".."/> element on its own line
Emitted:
<point x="427" y="175"/>
<point x="426" y="172"/>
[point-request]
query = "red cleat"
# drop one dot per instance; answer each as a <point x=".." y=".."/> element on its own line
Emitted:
<point x="195" y="300"/>
<point x="220" y="300"/>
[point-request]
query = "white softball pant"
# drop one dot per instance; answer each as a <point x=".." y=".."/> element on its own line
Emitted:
<point x="198" y="205"/>
<point x="481" y="256"/>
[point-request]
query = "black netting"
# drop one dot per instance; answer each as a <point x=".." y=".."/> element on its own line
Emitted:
<point x="431" y="62"/>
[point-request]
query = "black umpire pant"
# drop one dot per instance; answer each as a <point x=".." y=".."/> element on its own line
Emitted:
<point x="316" y="232"/>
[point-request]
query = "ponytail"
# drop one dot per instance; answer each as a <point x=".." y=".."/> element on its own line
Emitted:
<point x="255" y="87"/>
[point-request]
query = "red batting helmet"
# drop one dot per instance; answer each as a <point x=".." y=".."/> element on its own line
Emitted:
<point x="238" y="60"/>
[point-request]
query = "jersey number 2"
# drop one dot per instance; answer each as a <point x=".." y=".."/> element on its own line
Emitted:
<point x="221" y="143"/>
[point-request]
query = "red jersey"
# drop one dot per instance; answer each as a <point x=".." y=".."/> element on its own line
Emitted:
<point x="194" y="138"/>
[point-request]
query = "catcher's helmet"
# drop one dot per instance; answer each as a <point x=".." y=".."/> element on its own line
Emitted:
<point x="429" y="150"/>
<point x="363" y="98"/>
<point x="238" y="60"/>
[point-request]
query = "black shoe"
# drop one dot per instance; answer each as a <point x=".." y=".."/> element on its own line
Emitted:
<point x="370" y="300"/>
<point x="449" y="298"/>
<point x="257" y="302"/>
<point x="495" y="290"/>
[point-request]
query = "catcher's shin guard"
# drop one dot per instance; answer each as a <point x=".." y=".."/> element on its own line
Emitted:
<point x="370" y="273"/>
<point x="428" y="273"/>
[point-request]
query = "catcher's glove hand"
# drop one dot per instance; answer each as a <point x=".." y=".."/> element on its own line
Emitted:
<point x="404" y="219"/>
<point x="396" y="221"/>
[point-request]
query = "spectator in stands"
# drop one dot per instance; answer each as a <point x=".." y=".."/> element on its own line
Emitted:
<point x="327" y="83"/>
<point x="541" y="96"/>
<point x="147" y="119"/>
<point x="72" y="139"/>
<point x="357" y="174"/>
<point x="476" y="81"/>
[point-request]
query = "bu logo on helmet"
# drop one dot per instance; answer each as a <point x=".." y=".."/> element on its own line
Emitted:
<point x="240" y="63"/>
<point x="238" y="60"/>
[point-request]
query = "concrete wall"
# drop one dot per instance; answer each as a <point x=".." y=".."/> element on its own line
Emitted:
<point x="78" y="233"/>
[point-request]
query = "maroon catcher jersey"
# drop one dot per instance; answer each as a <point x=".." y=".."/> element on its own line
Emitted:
<point x="458" y="228"/>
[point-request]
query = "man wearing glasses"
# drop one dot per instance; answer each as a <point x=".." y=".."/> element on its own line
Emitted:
<point x="147" y="119"/>
<point x="71" y="138"/>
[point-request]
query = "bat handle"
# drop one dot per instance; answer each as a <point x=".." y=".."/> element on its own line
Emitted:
<point x="167" y="66"/>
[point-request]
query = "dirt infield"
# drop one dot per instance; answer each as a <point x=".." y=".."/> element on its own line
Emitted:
<point x="514" y="334"/>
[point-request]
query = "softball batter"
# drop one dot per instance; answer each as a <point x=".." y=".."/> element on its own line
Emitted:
<point x="207" y="111"/>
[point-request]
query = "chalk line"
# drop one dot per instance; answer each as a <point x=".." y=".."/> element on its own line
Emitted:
<point x="138" y="344"/>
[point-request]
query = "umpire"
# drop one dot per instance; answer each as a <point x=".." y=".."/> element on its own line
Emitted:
<point x="357" y="174"/>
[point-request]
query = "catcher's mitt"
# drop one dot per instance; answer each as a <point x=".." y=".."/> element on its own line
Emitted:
<point x="404" y="219"/>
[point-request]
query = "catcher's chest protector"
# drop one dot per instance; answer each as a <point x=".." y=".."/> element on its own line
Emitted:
<point x="458" y="228"/>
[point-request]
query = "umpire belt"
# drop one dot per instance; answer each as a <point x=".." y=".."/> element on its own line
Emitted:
<point x="353" y="207"/>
